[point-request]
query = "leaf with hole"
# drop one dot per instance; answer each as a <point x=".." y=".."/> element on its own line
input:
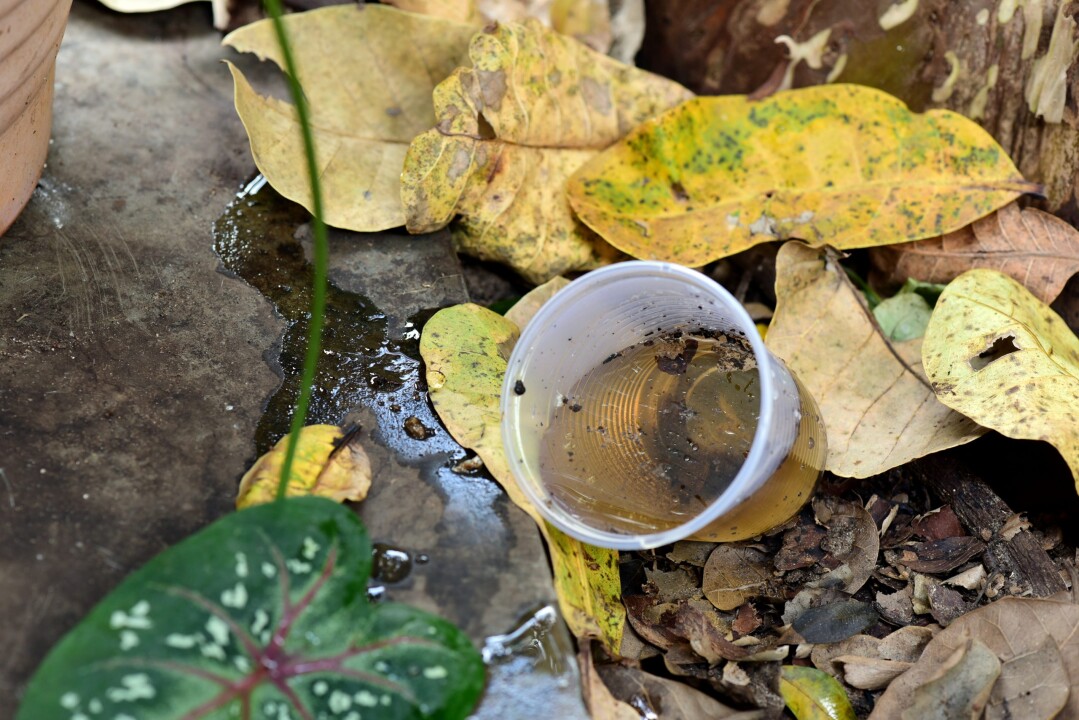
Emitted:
<point x="878" y="408"/>
<point x="327" y="463"/>
<point x="843" y="165"/>
<point x="1003" y="358"/>
<point x="368" y="73"/>
<point x="465" y="349"/>
<point x="262" y="614"/>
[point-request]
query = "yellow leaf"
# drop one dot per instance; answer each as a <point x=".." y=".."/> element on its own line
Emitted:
<point x="844" y="165"/>
<point x="813" y="694"/>
<point x="533" y="108"/>
<point x="879" y="411"/>
<point x="326" y="464"/>
<point x="465" y="349"/>
<point x="1000" y="356"/>
<point x="368" y="73"/>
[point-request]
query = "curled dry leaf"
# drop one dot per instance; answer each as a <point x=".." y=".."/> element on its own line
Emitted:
<point x="814" y="695"/>
<point x="327" y="464"/>
<point x="839" y="164"/>
<point x="646" y="695"/>
<point x="1037" y="249"/>
<point x="1000" y="356"/>
<point x="465" y="349"/>
<point x="368" y="73"/>
<point x="510" y="131"/>
<point x="1034" y="681"/>
<point x="879" y="410"/>
<point x="1004" y="358"/>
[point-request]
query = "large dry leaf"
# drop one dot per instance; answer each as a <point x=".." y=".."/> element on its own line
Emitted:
<point x="844" y="165"/>
<point x="465" y="349"/>
<point x="533" y="108"/>
<point x="878" y="409"/>
<point x="367" y="73"/>
<point x="1039" y="250"/>
<point x="1034" y="681"/>
<point x="326" y="464"/>
<point x="1003" y="358"/>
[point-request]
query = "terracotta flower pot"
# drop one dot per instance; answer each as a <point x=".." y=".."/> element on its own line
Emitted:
<point x="30" y="34"/>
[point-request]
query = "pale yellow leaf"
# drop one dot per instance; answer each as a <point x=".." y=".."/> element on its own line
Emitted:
<point x="878" y="409"/>
<point x="1000" y="356"/>
<point x="368" y="72"/>
<point x="511" y="129"/>
<point x="326" y="464"/>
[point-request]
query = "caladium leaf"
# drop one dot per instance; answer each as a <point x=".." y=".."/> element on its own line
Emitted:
<point x="263" y="614"/>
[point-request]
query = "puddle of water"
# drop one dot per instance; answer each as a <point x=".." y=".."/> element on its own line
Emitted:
<point x="257" y="239"/>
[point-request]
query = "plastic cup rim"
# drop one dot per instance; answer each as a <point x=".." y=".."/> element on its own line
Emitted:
<point x="747" y="473"/>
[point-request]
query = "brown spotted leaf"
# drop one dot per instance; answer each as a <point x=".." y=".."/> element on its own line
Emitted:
<point x="1037" y="249"/>
<point x="1003" y="358"/>
<point x="534" y="106"/>
<point x="879" y="410"/>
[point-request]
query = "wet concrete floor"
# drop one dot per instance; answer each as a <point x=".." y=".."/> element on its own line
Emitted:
<point x="141" y="372"/>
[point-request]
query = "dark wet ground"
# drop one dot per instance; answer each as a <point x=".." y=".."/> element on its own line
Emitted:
<point x="140" y="373"/>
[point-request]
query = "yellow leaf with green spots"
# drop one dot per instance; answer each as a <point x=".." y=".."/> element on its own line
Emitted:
<point x="367" y="73"/>
<point x="1003" y="358"/>
<point x="843" y="165"/>
<point x="534" y="107"/>
<point x="327" y="464"/>
<point x="812" y="694"/>
<point x="465" y="349"/>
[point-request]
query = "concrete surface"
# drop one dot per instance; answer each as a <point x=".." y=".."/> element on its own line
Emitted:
<point x="133" y="372"/>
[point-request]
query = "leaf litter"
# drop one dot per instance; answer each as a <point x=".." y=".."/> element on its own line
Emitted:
<point x="831" y="585"/>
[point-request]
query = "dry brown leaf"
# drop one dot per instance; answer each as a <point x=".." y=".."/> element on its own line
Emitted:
<point x="734" y="574"/>
<point x="646" y="695"/>
<point x="463" y="11"/>
<point x="510" y="130"/>
<point x="852" y="540"/>
<point x="1012" y="628"/>
<point x="1032" y="685"/>
<point x="870" y="673"/>
<point x="877" y="406"/>
<point x="1036" y="249"/>
<point x="961" y="687"/>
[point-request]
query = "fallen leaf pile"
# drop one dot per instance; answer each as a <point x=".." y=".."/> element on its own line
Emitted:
<point x="882" y="597"/>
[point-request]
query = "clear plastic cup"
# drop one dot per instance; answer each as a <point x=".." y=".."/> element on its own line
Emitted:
<point x="632" y="372"/>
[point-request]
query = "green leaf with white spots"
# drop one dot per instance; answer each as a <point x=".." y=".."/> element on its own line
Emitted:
<point x="843" y="165"/>
<point x="264" y="614"/>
